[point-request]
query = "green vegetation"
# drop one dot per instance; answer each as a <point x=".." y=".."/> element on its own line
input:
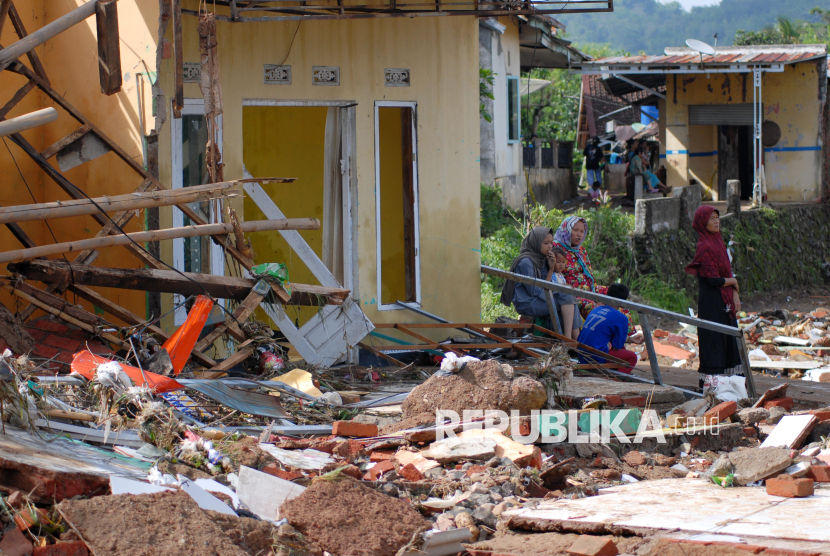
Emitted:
<point x="649" y="26"/>
<point x="787" y="31"/>
<point x="486" y="79"/>
<point x="608" y="245"/>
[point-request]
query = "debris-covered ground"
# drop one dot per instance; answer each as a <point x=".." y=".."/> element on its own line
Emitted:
<point x="290" y="460"/>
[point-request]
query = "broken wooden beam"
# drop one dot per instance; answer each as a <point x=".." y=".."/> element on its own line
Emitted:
<point x="53" y="149"/>
<point x="245" y="350"/>
<point x="58" y="303"/>
<point x="132" y="201"/>
<point x="157" y="235"/>
<point x="109" y="49"/>
<point x="166" y="281"/>
<point x="28" y="121"/>
<point x="26" y="44"/>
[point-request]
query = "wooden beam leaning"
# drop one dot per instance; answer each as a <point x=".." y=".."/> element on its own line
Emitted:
<point x="27" y="43"/>
<point x="241" y="313"/>
<point x="109" y="49"/>
<point x="134" y="201"/>
<point x="171" y="233"/>
<point x="178" y="58"/>
<point x="52" y="150"/>
<point x="21" y="32"/>
<point x="58" y="303"/>
<point x="164" y="281"/>
<point x="4" y="10"/>
<point x="18" y="96"/>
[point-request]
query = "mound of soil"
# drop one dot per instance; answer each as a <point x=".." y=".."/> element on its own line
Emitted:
<point x="251" y="535"/>
<point x="147" y="525"/>
<point x="482" y="385"/>
<point x="408" y="423"/>
<point x="348" y="519"/>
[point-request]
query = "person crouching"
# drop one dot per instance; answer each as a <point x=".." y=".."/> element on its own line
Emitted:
<point x="606" y="329"/>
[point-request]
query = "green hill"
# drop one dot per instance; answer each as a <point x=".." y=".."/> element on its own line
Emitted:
<point x="649" y="26"/>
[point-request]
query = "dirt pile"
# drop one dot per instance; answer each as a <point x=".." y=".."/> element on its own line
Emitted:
<point x="482" y="385"/>
<point x="345" y="517"/>
<point x="147" y="525"/>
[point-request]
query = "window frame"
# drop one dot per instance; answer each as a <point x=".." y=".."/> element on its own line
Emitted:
<point x="513" y="87"/>
<point x="192" y="107"/>
<point x="413" y="106"/>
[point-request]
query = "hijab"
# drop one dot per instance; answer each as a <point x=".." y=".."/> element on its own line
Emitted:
<point x="563" y="239"/>
<point x="531" y="249"/>
<point x="711" y="259"/>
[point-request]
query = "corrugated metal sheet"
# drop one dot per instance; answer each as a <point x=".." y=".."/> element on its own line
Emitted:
<point x="780" y="55"/>
<point x="722" y="114"/>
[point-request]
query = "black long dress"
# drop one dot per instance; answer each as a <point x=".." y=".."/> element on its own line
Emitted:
<point x="718" y="352"/>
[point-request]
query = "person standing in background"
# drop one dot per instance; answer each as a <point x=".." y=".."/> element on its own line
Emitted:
<point x="593" y="167"/>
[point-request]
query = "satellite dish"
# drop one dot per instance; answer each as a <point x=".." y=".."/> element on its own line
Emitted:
<point x="700" y="46"/>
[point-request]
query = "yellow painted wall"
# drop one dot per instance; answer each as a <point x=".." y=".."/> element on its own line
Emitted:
<point x="791" y="99"/>
<point x="392" y="259"/>
<point x="71" y="63"/>
<point x="442" y="55"/>
<point x="703" y="166"/>
<point x="270" y="150"/>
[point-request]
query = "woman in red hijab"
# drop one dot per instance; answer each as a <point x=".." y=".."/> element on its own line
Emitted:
<point x="718" y="299"/>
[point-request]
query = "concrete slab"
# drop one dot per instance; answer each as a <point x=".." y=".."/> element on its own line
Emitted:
<point x="588" y="387"/>
<point x="664" y="505"/>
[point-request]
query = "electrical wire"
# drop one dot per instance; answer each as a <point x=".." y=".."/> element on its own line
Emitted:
<point x="292" y="42"/>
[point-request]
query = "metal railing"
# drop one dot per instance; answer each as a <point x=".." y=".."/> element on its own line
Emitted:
<point x="642" y="310"/>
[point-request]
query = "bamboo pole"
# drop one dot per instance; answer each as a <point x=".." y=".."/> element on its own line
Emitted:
<point x="157" y="235"/>
<point x="70" y="319"/>
<point x="24" y="45"/>
<point x="28" y="121"/>
<point x="132" y="201"/>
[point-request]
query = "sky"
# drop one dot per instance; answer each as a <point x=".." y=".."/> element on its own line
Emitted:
<point x="689" y="4"/>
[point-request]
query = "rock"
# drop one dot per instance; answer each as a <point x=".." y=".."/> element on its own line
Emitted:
<point x="434" y="473"/>
<point x="675" y="421"/>
<point x="479" y="488"/>
<point x="500" y="508"/>
<point x="664" y="461"/>
<point x="451" y="450"/>
<point x="752" y="415"/>
<point x="634" y="459"/>
<point x="758" y="463"/>
<point x="589" y="545"/>
<point x="484" y="516"/>
<point x="493" y="462"/>
<point x="584" y="451"/>
<point x="445" y="522"/>
<point x="482" y="385"/>
<point x="721" y="468"/>
<point x="390" y="490"/>
<point x="463" y="519"/>
<point x="775" y="415"/>
<point x="684" y="448"/>
<point x="606" y="474"/>
<point x="508" y="488"/>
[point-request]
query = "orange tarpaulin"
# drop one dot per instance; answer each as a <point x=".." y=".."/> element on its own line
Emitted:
<point x="85" y="364"/>
<point x="181" y="343"/>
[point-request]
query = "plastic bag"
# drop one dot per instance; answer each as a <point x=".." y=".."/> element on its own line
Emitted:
<point x="453" y="363"/>
<point x="726" y="388"/>
<point x="727" y="481"/>
<point x="274" y="273"/>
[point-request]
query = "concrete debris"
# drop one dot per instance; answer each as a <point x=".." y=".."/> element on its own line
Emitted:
<point x="757" y="464"/>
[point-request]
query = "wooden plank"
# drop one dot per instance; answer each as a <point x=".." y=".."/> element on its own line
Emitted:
<point x="4" y="10"/>
<point x="31" y="54"/>
<point x="380" y="354"/>
<point x="443" y="347"/>
<point x="178" y="54"/>
<point x="52" y="150"/>
<point x="573" y="343"/>
<point x="109" y="49"/>
<point x="18" y="96"/>
<point x="245" y="350"/>
<point x="58" y="303"/>
<point x="242" y="312"/>
<point x="164" y="281"/>
<point x="517" y="346"/>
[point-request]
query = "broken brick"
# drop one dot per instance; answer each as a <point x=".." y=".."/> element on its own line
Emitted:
<point x="72" y="548"/>
<point x="15" y="499"/>
<point x="476" y="469"/>
<point x="821" y="414"/>
<point x="634" y="459"/>
<point x="411" y="473"/>
<point x="15" y="543"/>
<point x="783" y="403"/>
<point x="47" y="352"/>
<point x="613" y="399"/>
<point x="678" y="339"/>
<point x="350" y="428"/>
<point x="819" y="473"/>
<point x="636" y="401"/>
<point x="750" y="432"/>
<point x="25" y="519"/>
<point x="586" y="545"/>
<point x="61" y="342"/>
<point x="352" y="471"/>
<point x="379" y="469"/>
<point x="788" y="487"/>
<point x="660" y="334"/>
<point x="720" y="413"/>
<point x="272" y="469"/>
<point x="45" y="324"/>
<point x="375" y="457"/>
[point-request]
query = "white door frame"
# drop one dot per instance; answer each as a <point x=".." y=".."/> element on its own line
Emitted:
<point x="416" y="209"/>
<point x="192" y="107"/>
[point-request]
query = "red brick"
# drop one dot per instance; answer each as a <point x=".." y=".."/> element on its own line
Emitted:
<point x="73" y="548"/>
<point x="98" y="349"/>
<point x="37" y="334"/>
<point x="15" y="543"/>
<point x="272" y="469"/>
<point x="788" y="487"/>
<point x="821" y="414"/>
<point x="613" y="399"/>
<point x="720" y="413"/>
<point x="47" y="352"/>
<point x="66" y="357"/>
<point x="24" y="519"/>
<point x="678" y="339"/>
<point x="411" y="473"/>
<point x="381" y="456"/>
<point x="660" y="334"/>
<point x="820" y="473"/>
<point x="45" y="324"/>
<point x="636" y="401"/>
<point x="352" y="471"/>
<point x="788" y="552"/>
<point x="62" y="342"/>
<point x="350" y="428"/>
<point x="784" y="403"/>
<point x="15" y="499"/>
<point x="751" y="548"/>
<point x="379" y="469"/>
<point x="326" y="446"/>
<point x="750" y="432"/>
<point x="476" y="469"/>
<point x="587" y="545"/>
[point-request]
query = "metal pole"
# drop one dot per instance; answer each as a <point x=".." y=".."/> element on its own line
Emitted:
<point x="652" y="355"/>
<point x="750" y="380"/>
<point x="554" y="314"/>
<point x="28" y="121"/>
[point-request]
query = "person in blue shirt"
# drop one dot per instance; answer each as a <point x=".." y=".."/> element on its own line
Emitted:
<point x="606" y="329"/>
<point x="537" y="259"/>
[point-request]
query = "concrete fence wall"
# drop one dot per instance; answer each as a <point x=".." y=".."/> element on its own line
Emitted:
<point x="653" y="216"/>
<point x="548" y="186"/>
